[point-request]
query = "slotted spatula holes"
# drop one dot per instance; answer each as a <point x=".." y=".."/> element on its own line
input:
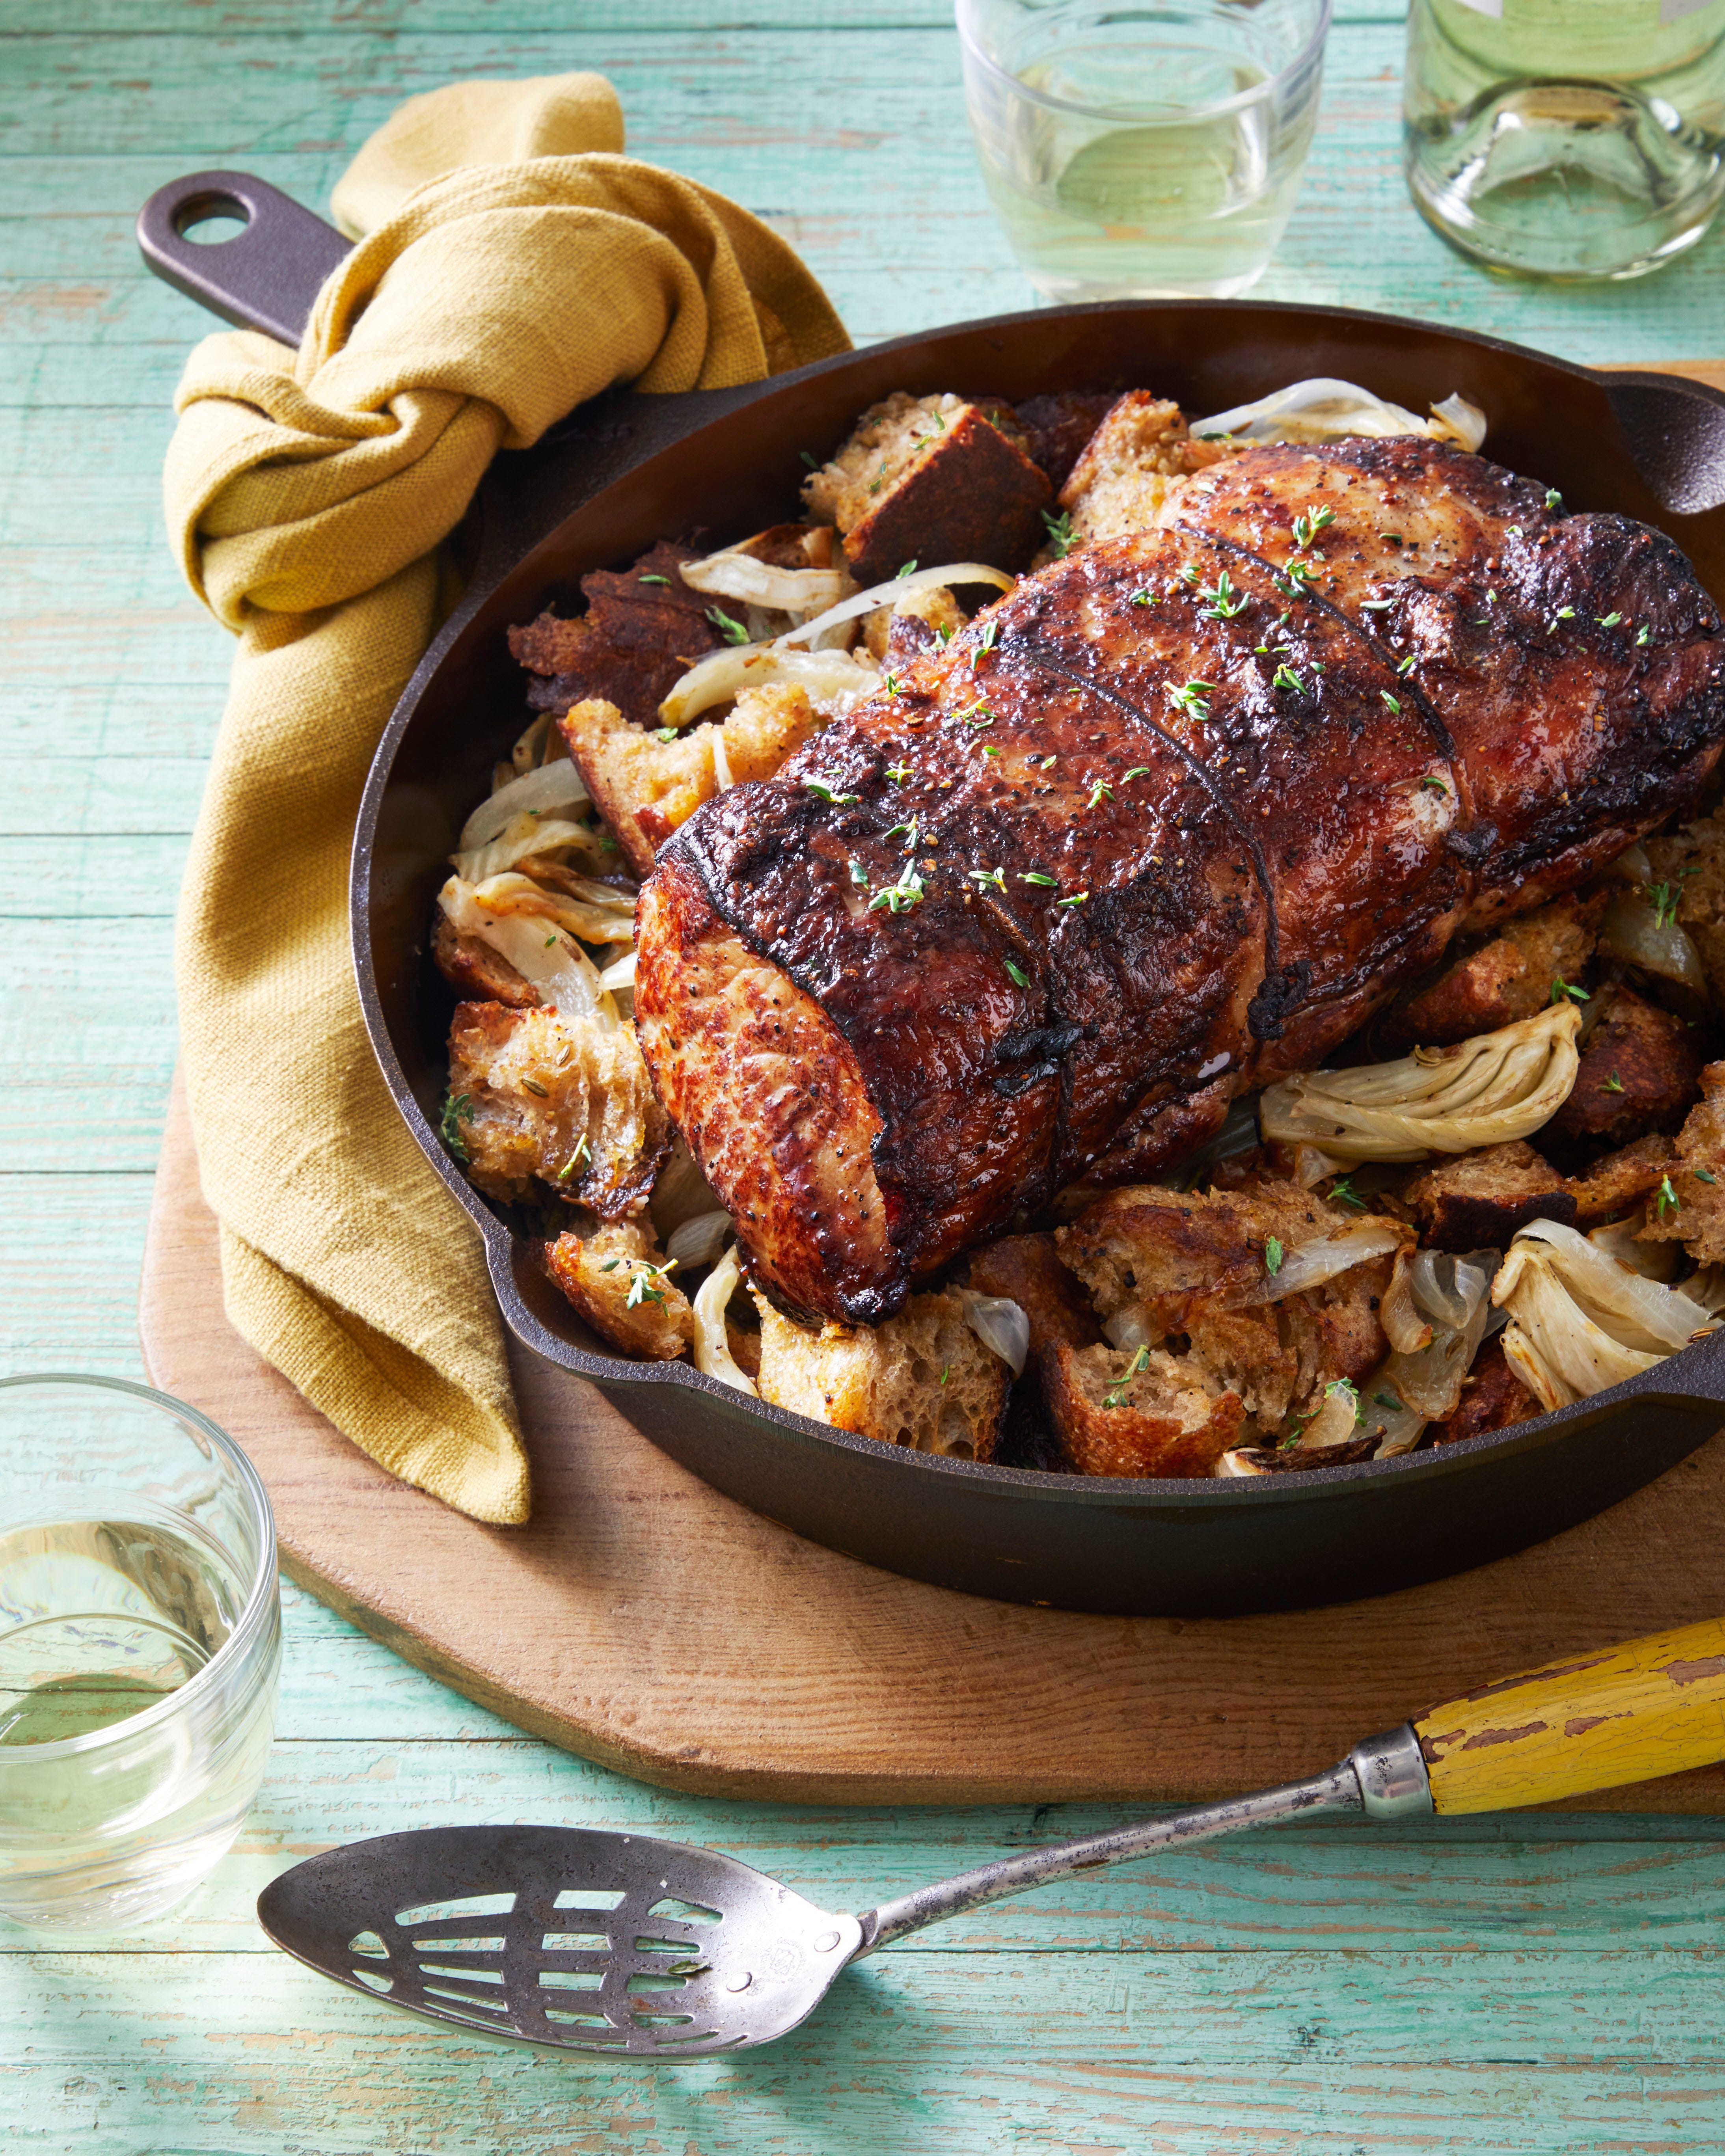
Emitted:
<point x="660" y="1980"/>
<point x="373" y="1982"/>
<point x="467" y="1908"/>
<point x="467" y="1999"/>
<point x="685" y="1913"/>
<point x="492" y="1945"/>
<point x="368" y="1944"/>
<point x="575" y="1942"/>
<point x="590" y="1898"/>
<point x="571" y="1979"/>
<point x="468" y="1975"/>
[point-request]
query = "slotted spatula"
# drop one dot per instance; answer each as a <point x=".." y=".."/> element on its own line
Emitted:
<point x="616" y="1942"/>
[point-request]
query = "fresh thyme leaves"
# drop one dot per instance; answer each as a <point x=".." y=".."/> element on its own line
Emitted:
<point x="1562" y="613"/>
<point x="1193" y="698"/>
<point x="1116" y="1393"/>
<point x="1061" y="535"/>
<point x="582" y="1152"/>
<point x="1342" y="1190"/>
<point x="652" y="580"/>
<point x="1077" y="899"/>
<point x="733" y="632"/>
<point x="1513" y="532"/>
<point x="1614" y="1084"/>
<point x="456" y="1110"/>
<point x="665" y="733"/>
<point x="1145" y="598"/>
<point x="1137" y="771"/>
<point x="946" y="1372"/>
<point x="1284" y="677"/>
<point x="1224" y="601"/>
<point x="1016" y="974"/>
<point x="826" y="793"/>
<point x="1393" y="702"/>
<point x="610" y="1264"/>
<point x="1036" y="876"/>
<point x="1189" y="573"/>
<point x="813" y="463"/>
<point x="905" y="569"/>
<point x="1388" y="1400"/>
<point x="898" y="772"/>
<point x="878" y="481"/>
<point x="1703" y="1175"/>
<point x="984" y="643"/>
<point x="900" y="896"/>
<point x="1609" y="620"/>
<point x="889" y="683"/>
<point x="1099" y="792"/>
<point x="1667" y="898"/>
<point x="642" y="1288"/>
<point x="858" y="874"/>
<point x="1047" y="763"/>
<point x="1306" y="528"/>
<point x="1644" y="634"/>
<point x="1407" y="665"/>
<point x="995" y="876"/>
<point x="1273" y="1255"/>
<point x="1349" y="1392"/>
<point x="1666" y="1200"/>
<point x="1560" y="988"/>
<point x="1554" y="500"/>
<point x="1434" y="782"/>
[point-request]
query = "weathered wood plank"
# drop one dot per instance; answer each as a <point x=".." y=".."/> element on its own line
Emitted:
<point x="134" y="877"/>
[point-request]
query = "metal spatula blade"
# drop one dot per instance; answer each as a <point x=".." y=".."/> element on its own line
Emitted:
<point x="559" y="1935"/>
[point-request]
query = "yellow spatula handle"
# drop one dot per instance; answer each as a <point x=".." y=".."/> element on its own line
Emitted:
<point x="1587" y="1722"/>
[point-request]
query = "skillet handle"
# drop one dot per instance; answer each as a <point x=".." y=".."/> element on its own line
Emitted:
<point x="1674" y="429"/>
<point x="266" y="277"/>
<point x="1590" y="1722"/>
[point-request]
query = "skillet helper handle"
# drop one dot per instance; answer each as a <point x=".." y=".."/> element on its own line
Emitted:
<point x="266" y="277"/>
<point x="1590" y="1722"/>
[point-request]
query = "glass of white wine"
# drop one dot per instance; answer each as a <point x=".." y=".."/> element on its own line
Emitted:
<point x="139" y="1643"/>
<point x="1134" y="152"/>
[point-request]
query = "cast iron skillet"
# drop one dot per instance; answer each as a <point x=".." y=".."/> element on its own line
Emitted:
<point x="623" y="471"/>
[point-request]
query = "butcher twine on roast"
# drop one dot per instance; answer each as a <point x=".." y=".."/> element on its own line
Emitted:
<point x="1169" y="821"/>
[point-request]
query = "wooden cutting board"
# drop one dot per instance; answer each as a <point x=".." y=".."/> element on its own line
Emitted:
<point x="645" y="1621"/>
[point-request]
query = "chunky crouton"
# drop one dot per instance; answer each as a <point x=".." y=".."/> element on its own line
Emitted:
<point x="931" y="479"/>
<point x="643" y="628"/>
<point x="1027" y="1269"/>
<point x="1477" y="1200"/>
<point x="1164" y="1265"/>
<point x="536" y="1096"/>
<point x="645" y="788"/>
<point x="616" y="1278"/>
<point x="923" y="1379"/>
<point x="892" y="635"/>
<point x="1639" y="1073"/>
<point x="1689" y="1203"/>
<point x="1057" y="428"/>
<point x="1139" y="457"/>
<point x="1618" y="1184"/>
<point x="475" y="971"/>
<point x="1144" y="1412"/>
<point x="1492" y="1398"/>
<point x="1690" y="866"/>
<point x="1506" y="979"/>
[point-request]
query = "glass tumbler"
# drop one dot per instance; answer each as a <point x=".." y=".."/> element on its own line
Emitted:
<point x="1136" y="152"/>
<point x="1566" y="138"/>
<point x="140" y="1642"/>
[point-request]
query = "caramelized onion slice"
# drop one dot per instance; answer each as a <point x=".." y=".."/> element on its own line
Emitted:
<point x="1324" y="409"/>
<point x="1484" y="1091"/>
<point x="833" y="680"/>
<point x="894" y="590"/>
<point x="1310" y="1265"/>
<point x="555" y="963"/>
<point x="713" y="1348"/>
<point x="536" y="793"/>
<point x="732" y="575"/>
<point x="1634" y="932"/>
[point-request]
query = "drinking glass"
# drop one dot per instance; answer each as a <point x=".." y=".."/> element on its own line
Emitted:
<point x="1566" y="138"/>
<point x="140" y="1642"/>
<point x="1135" y="152"/>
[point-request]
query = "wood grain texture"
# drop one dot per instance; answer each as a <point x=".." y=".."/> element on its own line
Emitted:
<point x="754" y="1664"/>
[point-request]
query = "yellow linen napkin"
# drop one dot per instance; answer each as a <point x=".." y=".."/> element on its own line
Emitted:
<point x="515" y="264"/>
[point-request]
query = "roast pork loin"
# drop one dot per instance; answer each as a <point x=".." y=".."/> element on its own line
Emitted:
<point x="1169" y="821"/>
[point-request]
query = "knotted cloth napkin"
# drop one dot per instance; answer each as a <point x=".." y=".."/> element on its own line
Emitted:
<point x="511" y="263"/>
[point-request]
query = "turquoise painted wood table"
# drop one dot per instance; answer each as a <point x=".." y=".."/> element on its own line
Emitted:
<point x="1533" y="1984"/>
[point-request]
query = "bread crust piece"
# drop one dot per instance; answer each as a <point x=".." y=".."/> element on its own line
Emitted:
<point x="1696" y="1175"/>
<point x="635" y="640"/>
<point x="1691" y="863"/>
<point x="475" y="971"/>
<point x="1638" y="1073"/>
<point x="1477" y="1200"/>
<point x="564" y="1103"/>
<point x="598" y="1273"/>
<point x="932" y="479"/>
<point x="1616" y="1185"/>
<point x="1508" y="978"/>
<point x="1132" y="467"/>
<point x="922" y="1379"/>
<point x="1492" y="1398"/>
<point x="1165" y="1420"/>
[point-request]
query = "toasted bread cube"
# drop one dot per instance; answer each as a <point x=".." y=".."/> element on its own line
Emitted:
<point x="1058" y="427"/>
<point x="1196" y="1264"/>
<point x="1476" y="1201"/>
<point x="923" y="1379"/>
<point x="1026" y="1271"/>
<point x="1147" y="1413"/>
<point x="1620" y="1183"/>
<point x="1506" y="979"/>
<point x="643" y="628"/>
<point x="1638" y="1073"/>
<point x="616" y="1278"/>
<point x="645" y="788"/>
<point x="1137" y="458"/>
<point x="1492" y="1398"/>
<point x="475" y="971"/>
<point x="1689" y="1202"/>
<point x="1691" y="863"/>
<point x="931" y="479"/>
<point x="540" y="1098"/>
